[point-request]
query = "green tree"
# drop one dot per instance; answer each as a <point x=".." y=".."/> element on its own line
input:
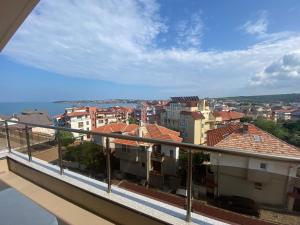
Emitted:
<point x="66" y="138"/>
<point x="246" y="119"/>
<point x="89" y="155"/>
<point x="132" y="120"/>
<point x="92" y="156"/>
<point x="273" y="128"/>
<point x="295" y="140"/>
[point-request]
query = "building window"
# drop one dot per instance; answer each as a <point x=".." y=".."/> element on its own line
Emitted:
<point x="143" y="165"/>
<point x="171" y="153"/>
<point x="87" y="122"/>
<point x="263" y="166"/>
<point x="79" y="117"/>
<point x="80" y="125"/>
<point x="182" y="123"/>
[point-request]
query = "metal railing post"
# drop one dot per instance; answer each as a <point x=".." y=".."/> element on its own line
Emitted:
<point x="60" y="159"/>
<point x="7" y="136"/>
<point x="189" y="187"/>
<point x="28" y="144"/>
<point x="108" y="166"/>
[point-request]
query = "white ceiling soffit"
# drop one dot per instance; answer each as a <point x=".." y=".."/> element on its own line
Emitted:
<point x="12" y="15"/>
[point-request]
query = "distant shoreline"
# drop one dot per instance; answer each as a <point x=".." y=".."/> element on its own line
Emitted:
<point x="110" y="101"/>
<point x="293" y="97"/>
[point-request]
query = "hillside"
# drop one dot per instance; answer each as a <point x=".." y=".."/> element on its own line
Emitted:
<point x="288" y="98"/>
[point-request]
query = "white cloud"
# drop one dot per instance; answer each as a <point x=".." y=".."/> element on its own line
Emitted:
<point x="284" y="71"/>
<point x="190" y="31"/>
<point x="258" y="26"/>
<point x="115" y="41"/>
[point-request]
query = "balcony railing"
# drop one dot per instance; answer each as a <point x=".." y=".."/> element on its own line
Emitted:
<point x="188" y="148"/>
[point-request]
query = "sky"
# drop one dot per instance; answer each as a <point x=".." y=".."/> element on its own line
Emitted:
<point x="147" y="49"/>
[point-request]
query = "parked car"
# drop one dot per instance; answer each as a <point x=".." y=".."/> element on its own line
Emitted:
<point x="238" y="204"/>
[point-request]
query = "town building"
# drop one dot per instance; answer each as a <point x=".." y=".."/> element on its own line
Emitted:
<point x="76" y="118"/>
<point x="155" y="163"/>
<point x="225" y="117"/>
<point x="295" y="115"/>
<point x="105" y="116"/>
<point x="91" y="117"/>
<point x="145" y="113"/>
<point x="267" y="181"/>
<point x="114" y="114"/>
<point x="33" y="117"/>
<point x="282" y="114"/>
<point x="190" y="116"/>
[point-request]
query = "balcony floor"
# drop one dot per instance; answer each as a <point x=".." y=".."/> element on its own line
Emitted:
<point x="66" y="212"/>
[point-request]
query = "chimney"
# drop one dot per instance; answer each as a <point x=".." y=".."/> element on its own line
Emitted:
<point x="140" y="131"/>
<point x="245" y="127"/>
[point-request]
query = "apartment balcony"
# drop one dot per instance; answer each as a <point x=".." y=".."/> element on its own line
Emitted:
<point x="64" y="190"/>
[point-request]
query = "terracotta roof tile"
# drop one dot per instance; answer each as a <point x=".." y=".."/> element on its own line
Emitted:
<point x="126" y="142"/>
<point x="250" y="138"/>
<point x="159" y="132"/>
<point x="72" y="114"/>
<point x="153" y="131"/>
<point x="216" y="135"/>
<point x="117" y="127"/>
<point x="229" y="115"/>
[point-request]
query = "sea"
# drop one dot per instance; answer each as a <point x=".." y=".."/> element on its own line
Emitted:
<point x="10" y="108"/>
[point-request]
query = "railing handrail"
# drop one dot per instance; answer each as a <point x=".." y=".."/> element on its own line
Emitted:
<point x="183" y="145"/>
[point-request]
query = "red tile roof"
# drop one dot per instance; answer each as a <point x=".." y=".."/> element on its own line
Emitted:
<point x="216" y="135"/>
<point x="121" y="109"/>
<point x="126" y="142"/>
<point x="153" y="131"/>
<point x="195" y="115"/>
<point x="229" y="115"/>
<point x="72" y="114"/>
<point x="117" y="127"/>
<point x="159" y="132"/>
<point x="251" y="139"/>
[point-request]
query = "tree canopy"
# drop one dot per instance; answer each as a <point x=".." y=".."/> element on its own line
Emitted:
<point x="288" y="131"/>
<point x="88" y="154"/>
<point x="66" y="138"/>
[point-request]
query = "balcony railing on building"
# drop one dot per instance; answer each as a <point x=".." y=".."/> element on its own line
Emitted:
<point x="154" y="170"/>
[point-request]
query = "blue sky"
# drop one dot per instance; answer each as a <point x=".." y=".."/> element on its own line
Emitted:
<point x="87" y="49"/>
